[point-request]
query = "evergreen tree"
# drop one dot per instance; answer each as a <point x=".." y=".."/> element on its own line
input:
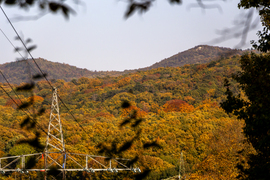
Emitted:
<point x="254" y="108"/>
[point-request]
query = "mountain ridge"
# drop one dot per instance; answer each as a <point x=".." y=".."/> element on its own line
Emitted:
<point x="18" y="71"/>
<point x="193" y="56"/>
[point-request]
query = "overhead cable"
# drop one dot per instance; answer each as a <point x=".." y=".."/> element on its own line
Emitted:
<point x="43" y="74"/>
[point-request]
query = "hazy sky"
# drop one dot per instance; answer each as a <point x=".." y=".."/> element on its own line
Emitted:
<point x="98" y="37"/>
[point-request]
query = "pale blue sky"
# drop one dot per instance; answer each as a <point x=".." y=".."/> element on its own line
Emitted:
<point x="99" y="38"/>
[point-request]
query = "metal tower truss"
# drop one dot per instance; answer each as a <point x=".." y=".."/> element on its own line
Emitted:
<point x="182" y="167"/>
<point x="75" y="162"/>
<point x="56" y="156"/>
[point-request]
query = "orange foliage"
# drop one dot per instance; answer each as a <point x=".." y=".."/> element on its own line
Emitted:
<point x="123" y="82"/>
<point x="189" y="99"/>
<point x="155" y="163"/>
<point x="1" y="153"/>
<point x="201" y="67"/>
<point x="93" y="83"/>
<point x="107" y="85"/>
<point x="128" y="111"/>
<point x="37" y="99"/>
<point x="104" y="114"/>
<point x="219" y="78"/>
<point x="155" y="108"/>
<point x="136" y="77"/>
<point x="13" y="104"/>
<point x="224" y="146"/>
<point x="89" y="91"/>
<point x="177" y="105"/>
<point x="208" y="104"/>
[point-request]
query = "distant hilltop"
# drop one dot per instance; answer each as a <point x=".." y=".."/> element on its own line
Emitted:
<point x="17" y="72"/>
<point x="197" y="55"/>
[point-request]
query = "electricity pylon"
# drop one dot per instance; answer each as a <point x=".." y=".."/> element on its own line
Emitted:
<point x="181" y="167"/>
<point x="55" y="144"/>
<point x="55" y="154"/>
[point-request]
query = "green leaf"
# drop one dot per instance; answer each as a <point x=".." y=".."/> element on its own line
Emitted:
<point x="31" y="48"/>
<point x="10" y="2"/>
<point x="54" y="6"/>
<point x="17" y="49"/>
<point x="175" y="1"/>
<point x="25" y="105"/>
<point x="66" y="11"/>
<point x="151" y="144"/>
<point x="125" y="104"/>
<point x="28" y="40"/>
<point x="26" y="87"/>
<point x="25" y="122"/>
<point x="30" y="2"/>
<point x="38" y="76"/>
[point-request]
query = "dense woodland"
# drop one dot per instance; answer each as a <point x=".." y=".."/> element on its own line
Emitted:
<point x="180" y="111"/>
<point x="18" y="71"/>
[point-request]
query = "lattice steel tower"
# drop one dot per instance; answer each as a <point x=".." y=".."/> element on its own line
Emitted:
<point x="181" y="167"/>
<point x="56" y="156"/>
<point x="55" y="145"/>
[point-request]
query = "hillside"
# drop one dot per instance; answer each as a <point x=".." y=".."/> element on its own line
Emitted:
<point x="17" y="72"/>
<point x="178" y="108"/>
<point x="197" y="55"/>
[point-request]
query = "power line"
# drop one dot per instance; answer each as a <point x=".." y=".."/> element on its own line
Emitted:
<point x="12" y="99"/>
<point x="43" y="74"/>
<point x="71" y="114"/>
<point x="16" y="49"/>
<point x="11" y="43"/>
<point x="24" y="111"/>
<point x="19" y="106"/>
<point x="13" y="91"/>
<point x="10" y="86"/>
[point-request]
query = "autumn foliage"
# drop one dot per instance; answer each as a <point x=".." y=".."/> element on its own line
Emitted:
<point x="178" y="106"/>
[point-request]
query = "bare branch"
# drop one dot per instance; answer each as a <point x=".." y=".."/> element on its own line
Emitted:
<point x="242" y="25"/>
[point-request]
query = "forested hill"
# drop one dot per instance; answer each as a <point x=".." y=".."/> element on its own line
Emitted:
<point x="197" y="55"/>
<point x="17" y="72"/>
<point x="176" y="107"/>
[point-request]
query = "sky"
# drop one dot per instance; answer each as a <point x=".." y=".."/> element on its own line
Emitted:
<point x="99" y="38"/>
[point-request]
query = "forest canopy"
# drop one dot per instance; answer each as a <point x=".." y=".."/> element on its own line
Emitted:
<point x="179" y="107"/>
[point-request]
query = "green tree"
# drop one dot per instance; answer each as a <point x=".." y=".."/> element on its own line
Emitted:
<point x="254" y="108"/>
<point x="263" y="7"/>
